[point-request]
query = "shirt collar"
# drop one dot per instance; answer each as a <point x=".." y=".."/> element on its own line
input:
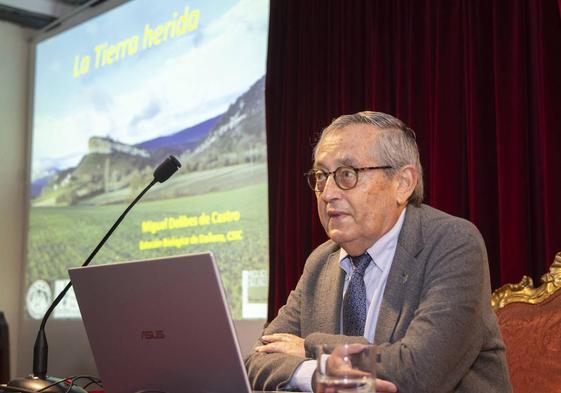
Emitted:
<point x="378" y="251"/>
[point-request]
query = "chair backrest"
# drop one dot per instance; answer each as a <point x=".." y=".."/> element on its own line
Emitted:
<point x="530" y="322"/>
<point x="4" y="350"/>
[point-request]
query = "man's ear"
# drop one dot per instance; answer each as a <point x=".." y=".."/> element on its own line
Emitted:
<point x="407" y="178"/>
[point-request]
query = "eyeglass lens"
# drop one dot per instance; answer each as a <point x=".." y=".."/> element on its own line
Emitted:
<point x="345" y="177"/>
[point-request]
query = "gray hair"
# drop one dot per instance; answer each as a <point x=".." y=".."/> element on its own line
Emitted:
<point x="396" y="144"/>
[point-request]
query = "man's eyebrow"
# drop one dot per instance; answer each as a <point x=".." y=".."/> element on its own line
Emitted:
<point x="348" y="162"/>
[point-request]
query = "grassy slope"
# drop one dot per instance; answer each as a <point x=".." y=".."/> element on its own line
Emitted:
<point x="62" y="237"/>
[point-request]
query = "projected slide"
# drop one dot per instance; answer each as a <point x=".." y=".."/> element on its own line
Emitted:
<point x="113" y="97"/>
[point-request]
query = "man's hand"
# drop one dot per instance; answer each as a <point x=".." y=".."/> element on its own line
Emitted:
<point x="282" y="343"/>
<point x="383" y="386"/>
<point x="338" y="364"/>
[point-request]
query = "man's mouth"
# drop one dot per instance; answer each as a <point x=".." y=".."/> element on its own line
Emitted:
<point x="335" y="213"/>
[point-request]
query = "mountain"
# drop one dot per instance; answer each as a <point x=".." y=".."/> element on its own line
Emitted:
<point x="111" y="165"/>
<point x="182" y="140"/>
<point x="97" y="173"/>
<point x="106" y="145"/>
<point x="237" y="137"/>
<point x="38" y="184"/>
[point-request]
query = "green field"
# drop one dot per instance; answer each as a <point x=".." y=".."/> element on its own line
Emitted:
<point x="62" y="237"/>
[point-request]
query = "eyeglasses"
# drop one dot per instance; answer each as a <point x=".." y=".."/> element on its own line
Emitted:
<point x="346" y="177"/>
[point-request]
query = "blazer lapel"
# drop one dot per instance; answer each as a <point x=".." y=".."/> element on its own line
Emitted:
<point x="409" y="244"/>
<point x="334" y="276"/>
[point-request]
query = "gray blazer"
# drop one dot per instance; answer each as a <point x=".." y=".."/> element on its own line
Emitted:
<point x="436" y="330"/>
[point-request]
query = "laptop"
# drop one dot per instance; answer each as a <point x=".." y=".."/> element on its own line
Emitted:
<point x="160" y="325"/>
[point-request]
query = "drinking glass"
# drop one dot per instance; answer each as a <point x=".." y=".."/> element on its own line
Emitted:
<point x="346" y="368"/>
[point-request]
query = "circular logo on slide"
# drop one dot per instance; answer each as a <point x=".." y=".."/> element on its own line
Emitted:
<point x="38" y="299"/>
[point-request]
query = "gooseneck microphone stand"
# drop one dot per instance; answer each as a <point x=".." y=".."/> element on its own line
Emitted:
<point x="39" y="381"/>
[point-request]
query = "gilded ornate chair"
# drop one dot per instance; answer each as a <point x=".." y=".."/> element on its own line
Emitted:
<point x="530" y="322"/>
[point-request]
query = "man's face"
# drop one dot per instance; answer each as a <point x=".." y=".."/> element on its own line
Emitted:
<point x="358" y="217"/>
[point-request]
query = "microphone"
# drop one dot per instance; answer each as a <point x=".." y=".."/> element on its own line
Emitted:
<point x="166" y="169"/>
<point x="39" y="381"/>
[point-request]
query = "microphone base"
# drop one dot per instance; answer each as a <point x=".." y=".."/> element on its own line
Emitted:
<point x="32" y="384"/>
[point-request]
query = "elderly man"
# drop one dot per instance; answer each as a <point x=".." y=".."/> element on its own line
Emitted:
<point x="397" y="273"/>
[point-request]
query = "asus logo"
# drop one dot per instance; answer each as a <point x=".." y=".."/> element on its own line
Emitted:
<point x="152" y="335"/>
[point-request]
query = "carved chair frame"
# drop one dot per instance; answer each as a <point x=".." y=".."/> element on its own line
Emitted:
<point x="525" y="292"/>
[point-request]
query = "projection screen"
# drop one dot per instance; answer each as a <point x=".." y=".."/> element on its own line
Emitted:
<point x="118" y="88"/>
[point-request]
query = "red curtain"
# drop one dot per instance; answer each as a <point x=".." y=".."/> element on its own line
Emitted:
<point x="478" y="80"/>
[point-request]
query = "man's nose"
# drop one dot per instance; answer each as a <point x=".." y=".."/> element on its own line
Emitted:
<point x="331" y="190"/>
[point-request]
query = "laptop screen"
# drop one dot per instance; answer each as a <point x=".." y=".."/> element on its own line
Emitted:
<point x="160" y="325"/>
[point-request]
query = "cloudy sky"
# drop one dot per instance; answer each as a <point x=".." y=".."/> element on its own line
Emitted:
<point x="156" y="92"/>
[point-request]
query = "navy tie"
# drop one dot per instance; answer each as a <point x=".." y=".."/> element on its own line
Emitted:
<point x="354" y="302"/>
